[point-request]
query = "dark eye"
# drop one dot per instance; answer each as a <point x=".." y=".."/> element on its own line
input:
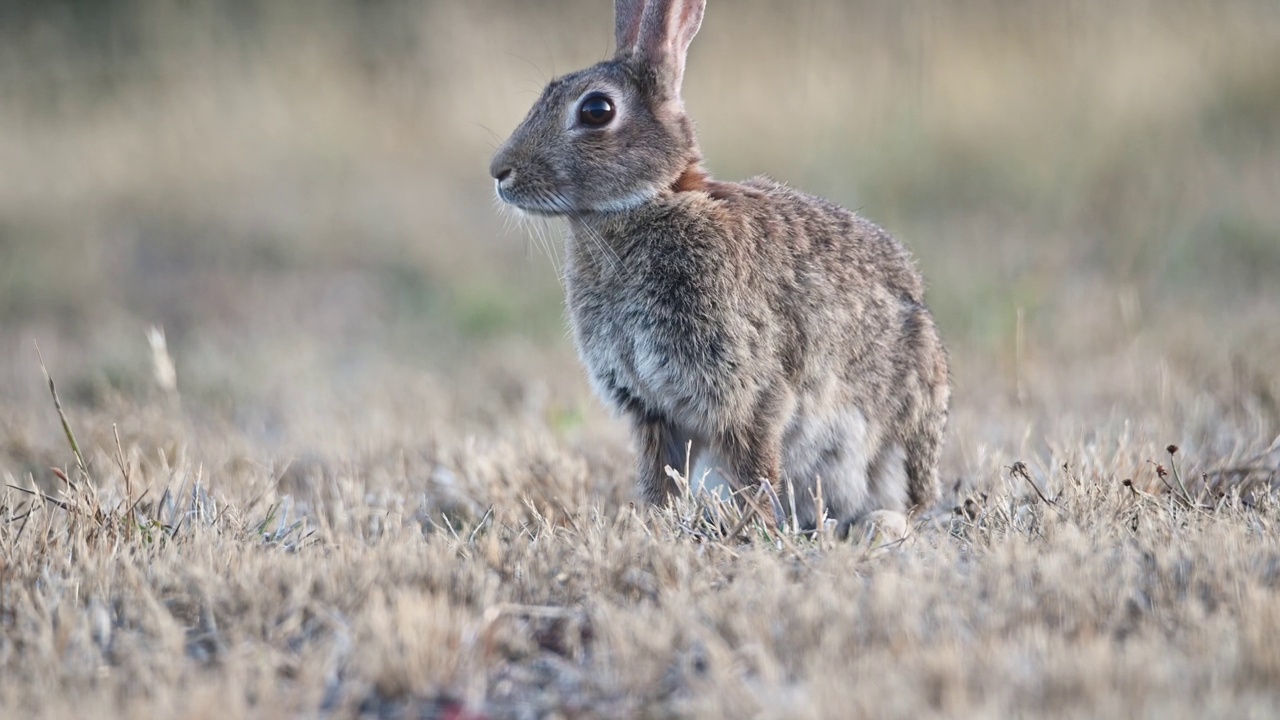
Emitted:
<point x="595" y="111"/>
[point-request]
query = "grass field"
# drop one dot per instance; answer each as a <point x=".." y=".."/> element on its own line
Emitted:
<point x="362" y="474"/>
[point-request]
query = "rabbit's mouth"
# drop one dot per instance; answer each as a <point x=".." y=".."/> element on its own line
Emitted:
<point x="541" y="209"/>
<point x="544" y="205"/>
<point x="557" y="205"/>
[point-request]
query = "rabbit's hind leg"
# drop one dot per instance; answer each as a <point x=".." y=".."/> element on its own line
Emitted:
<point x="923" y="452"/>
<point x="922" y="438"/>
<point x="888" y="482"/>
<point x="924" y="420"/>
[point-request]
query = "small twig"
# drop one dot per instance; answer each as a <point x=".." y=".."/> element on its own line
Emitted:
<point x="15" y="518"/>
<point x="1177" y="476"/>
<point x="449" y="525"/>
<point x="683" y="485"/>
<point x="23" y="527"/>
<point x="752" y="508"/>
<point x="43" y="496"/>
<point x="819" y="505"/>
<point x="1161" y="473"/>
<point x="1019" y="469"/>
<point x="791" y="498"/>
<point x="134" y="506"/>
<point x="688" y="459"/>
<point x="472" y="537"/>
<point x="779" y="515"/>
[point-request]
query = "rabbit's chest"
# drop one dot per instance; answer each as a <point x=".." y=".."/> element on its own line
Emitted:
<point x="635" y="360"/>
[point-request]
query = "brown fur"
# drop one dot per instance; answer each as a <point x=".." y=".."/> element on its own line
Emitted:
<point x="781" y="335"/>
<point x="693" y="179"/>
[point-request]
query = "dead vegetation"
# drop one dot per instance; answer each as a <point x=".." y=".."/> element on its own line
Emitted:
<point x="359" y="473"/>
<point x="513" y="581"/>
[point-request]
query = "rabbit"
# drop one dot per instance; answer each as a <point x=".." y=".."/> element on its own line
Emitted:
<point x="772" y="335"/>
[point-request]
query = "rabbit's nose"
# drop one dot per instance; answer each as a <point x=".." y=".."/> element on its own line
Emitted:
<point x="500" y="172"/>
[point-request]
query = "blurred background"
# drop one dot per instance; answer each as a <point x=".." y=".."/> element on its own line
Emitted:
<point x="296" y="192"/>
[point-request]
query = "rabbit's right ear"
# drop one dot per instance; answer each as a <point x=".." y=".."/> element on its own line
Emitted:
<point x="658" y="32"/>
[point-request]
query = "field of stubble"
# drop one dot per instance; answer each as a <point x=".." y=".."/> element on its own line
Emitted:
<point x="362" y="474"/>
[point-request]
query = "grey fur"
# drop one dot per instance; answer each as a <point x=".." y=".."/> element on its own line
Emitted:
<point x="781" y="334"/>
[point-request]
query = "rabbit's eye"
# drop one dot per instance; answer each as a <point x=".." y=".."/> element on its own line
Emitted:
<point x="595" y="111"/>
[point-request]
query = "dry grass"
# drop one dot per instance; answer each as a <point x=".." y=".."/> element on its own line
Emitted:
<point x="377" y="485"/>
<point x="510" y="575"/>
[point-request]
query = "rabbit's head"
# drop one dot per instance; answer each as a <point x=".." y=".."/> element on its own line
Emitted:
<point x="612" y="136"/>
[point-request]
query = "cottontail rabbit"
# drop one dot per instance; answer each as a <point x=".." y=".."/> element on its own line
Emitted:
<point x="776" y="331"/>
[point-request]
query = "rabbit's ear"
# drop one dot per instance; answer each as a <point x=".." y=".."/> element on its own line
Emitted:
<point x="659" y="32"/>
<point x="627" y="15"/>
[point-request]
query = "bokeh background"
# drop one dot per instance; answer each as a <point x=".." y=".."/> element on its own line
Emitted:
<point x="296" y="193"/>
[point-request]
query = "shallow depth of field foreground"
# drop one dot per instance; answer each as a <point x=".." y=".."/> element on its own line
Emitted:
<point x="334" y="456"/>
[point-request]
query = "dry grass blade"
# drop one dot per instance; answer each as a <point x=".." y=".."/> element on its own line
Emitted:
<point x="43" y="496"/>
<point x="62" y="416"/>
<point x="488" y="513"/>
<point x="752" y="509"/>
<point x="1177" y="476"/>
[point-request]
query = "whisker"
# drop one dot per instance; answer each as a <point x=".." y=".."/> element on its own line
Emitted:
<point x="497" y="139"/>
<point x="543" y="229"/>
<point x="534" y="229"/>
<point x="536" y="239"/>
<point x="555" y="250"/>
<point x="538" y="234"/>
<point x="615" y="262"/>
<point x="532" y="64"/>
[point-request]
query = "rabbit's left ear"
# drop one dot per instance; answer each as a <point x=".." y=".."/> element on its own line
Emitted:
<point x="658" y="32"/>
<point x="627" y="15"/>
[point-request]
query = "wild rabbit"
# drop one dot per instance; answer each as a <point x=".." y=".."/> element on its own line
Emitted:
<point x="777" y="332"/>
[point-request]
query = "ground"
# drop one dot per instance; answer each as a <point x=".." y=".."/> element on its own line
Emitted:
<point x="334" y="456"/>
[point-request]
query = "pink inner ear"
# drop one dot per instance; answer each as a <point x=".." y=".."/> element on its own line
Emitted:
<point x="690" y="21"/>
<point x="667" y="28"/>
